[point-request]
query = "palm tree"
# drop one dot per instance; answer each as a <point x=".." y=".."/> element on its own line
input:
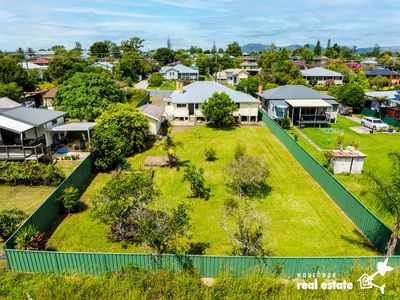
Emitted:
<point x="380" y="100"/>
<point x="387" y="197"/>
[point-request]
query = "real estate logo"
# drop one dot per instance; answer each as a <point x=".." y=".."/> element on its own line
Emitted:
<point x="367" y="281"/>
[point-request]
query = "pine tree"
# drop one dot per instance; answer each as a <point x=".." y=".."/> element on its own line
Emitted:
<point x="317" y="49"/>
<point x="169" y="46"/>
<point x="214" y="48"/>
<point x="329" y="44"/>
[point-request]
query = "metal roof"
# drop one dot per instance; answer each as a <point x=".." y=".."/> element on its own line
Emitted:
<point x="152" y="111"/>
<point x="391" y="95"/>
<point x="8" y="103"/>
<point x="320" y="72"/>
<point x="31" y="66"/>
<point x="200" y="91"/>
<point x="382" y="72"/>
<point x="32" y="116"/>
<point x="347" y="153"/>
<point x="308" y="103"/>
<point x="13" y="125"/>
<point x="81" y="126"/>
<point x="278" y="103"/>
<point x="293" y="92"/>
<point x="179" y="69"/>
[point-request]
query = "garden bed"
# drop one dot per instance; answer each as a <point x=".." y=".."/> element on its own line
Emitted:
<point x="302" y="219"/>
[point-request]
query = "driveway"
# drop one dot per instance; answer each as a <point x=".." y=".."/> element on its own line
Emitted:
<point x="355" y="119"/>
<point x="361" y="129"/>
<point x="142" y="85"/>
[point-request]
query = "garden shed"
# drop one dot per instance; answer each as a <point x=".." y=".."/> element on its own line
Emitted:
<point x="347" y="161"/>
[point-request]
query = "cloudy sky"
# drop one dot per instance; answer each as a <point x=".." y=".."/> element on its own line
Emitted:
<point x="41" y="24"/>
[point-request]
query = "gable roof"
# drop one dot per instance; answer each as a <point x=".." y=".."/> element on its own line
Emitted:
<point x="222" y="74"/>
<point x="200" y="91"/>
<point x="29" y="65"/>
<point x="320" y="72"/>
<point x="179" y="69"/>
<point x="152" y="111"/>
<point x="51" y="93"/>
<point x="32" y="116"/>
<point x="8" y="103"/>
<point x="293" y="92"/>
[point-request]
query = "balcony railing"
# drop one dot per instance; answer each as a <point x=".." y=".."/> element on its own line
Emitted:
<point x="20" y="152"/>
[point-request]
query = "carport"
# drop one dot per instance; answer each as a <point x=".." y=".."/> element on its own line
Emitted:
<point x="70" y="127"/>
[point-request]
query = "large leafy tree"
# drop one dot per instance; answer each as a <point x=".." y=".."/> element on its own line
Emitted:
<point x="205" y="64"/>
<point x="234" y="49"/>
<point x="359" y="80"/>
<point x="10" y="90"/>
<point x="10" y="71"/>
<point x="99" y="49"/>
<point x="121" y="130"/>
<point x="134" y="44"/>
<point x="164" y="56"/>
<point x="85" y="95"/>
<point x="353" y="96"/>
<point x="219" y="109"/>
<point x="249" y="85"/>
<point x="131" y="66"/>
<point x="386" y="192"/>
<point x="63" y="68"/>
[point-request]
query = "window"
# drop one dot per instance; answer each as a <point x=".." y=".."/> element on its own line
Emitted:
<point x="197" y="106"/>
<point x="180" y="105"/>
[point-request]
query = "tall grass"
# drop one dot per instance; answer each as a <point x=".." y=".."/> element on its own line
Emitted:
<point x="135" y="284"/>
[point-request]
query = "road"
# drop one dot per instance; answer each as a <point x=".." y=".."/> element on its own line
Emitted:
<point x="142" y="85"/>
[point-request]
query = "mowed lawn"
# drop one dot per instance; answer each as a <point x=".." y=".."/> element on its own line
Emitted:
<point x="302" y="219"/>
<point x="376" y="146"/>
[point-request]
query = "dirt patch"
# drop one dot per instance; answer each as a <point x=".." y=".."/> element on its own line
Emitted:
<point x="156" y="161"/>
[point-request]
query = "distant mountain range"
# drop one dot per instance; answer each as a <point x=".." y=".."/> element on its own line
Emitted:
<point x="256" y="47"/>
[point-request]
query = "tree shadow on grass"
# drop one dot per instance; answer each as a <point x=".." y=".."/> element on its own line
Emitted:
<point x="223" y="128"/>
<point x="360" y="241"/>
<point x="255" y="193"/>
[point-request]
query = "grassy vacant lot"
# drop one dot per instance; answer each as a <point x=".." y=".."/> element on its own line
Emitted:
<point x="376" y="146"/>
<point x="169" y="85"/>
<point x="303" y="220"/>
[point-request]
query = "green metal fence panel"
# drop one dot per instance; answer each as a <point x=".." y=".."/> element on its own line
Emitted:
<point x="48" y="212"/>
<point x="207" y="266"/>
<point x="377" y="232"/>
<point x="369" y="112"/>
<point x="145" y="100"/>
<point x="391" y="121"/>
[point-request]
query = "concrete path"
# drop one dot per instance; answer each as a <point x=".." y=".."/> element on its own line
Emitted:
<point x="308" y="139"/>
<point x="355" y="119"/>
<point x="142" y="85"/>
<point x="160" y="93"/>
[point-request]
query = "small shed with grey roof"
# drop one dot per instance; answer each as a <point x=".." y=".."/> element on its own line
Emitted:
<point x="155" y="117"/>
<point x="301" y="104"/>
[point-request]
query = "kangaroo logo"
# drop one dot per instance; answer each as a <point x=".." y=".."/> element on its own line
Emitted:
<point x="367" y="281"/>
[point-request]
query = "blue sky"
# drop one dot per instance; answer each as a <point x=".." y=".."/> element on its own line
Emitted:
<point x="40" y="24"/>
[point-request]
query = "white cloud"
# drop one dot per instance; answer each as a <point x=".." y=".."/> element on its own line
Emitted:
<point x="102" y="12"/>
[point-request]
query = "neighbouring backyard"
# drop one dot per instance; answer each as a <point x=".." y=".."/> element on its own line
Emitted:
<point x="169" y="85"/>
<point x="302" y="219"/>
<point x="376" y="146"/>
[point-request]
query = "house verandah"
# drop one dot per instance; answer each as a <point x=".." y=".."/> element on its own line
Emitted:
<point x="309" y="112"/>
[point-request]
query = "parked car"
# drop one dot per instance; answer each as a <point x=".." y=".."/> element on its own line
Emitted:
<point x="345" y="110"/>
<point x="374" y="123"/>
<point x="28" y="103"/>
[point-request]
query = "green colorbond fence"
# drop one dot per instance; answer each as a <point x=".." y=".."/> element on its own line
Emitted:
<point x="208" y="266"/>
<point x="145" y="100"/>
<point x="373" y="228"/>
<point x="369" y="112"/>
<point x="50" y="209"/>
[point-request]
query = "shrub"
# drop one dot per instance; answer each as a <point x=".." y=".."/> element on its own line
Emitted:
<point x="210" y="154"/>
<point x="197" y="183"/>
<point x="284" y="122"/>
<point x="29" y="238"/>
<point x="30" y="173"/>
<point x="10" y="219"/>
<point x="240" y="151"/>
<point x="156" y="79"/>
<point x="70" y="200"/>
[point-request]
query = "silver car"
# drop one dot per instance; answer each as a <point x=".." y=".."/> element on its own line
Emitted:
<point x="374" y="123"/>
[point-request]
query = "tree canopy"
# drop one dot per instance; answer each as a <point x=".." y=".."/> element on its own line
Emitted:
<point x="219" y="109"/>
<point x="164" y="56"/>
<point x="249" y="85"/>
<point x="10" y="72"/>
<point x="99" y="49"/>
<point x="234" y="49"/>
<point x="85" y="95"/>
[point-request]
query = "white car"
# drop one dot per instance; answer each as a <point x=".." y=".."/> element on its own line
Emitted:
<point x="374" y="123"/>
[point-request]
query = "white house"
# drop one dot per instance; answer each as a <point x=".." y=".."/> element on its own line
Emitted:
<point x="179" y="72"/>
<point x="231" y="76"/>
<point x="103" y="64"/>
<point x="31" y="66"/>
<point x="301" y="104"/>
<point x="155" y="117"/>
<point x="185" y="103"/>
<point x="322" y="76"/>
<point x="26" y="132"/>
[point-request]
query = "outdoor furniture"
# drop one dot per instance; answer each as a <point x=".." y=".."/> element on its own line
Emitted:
<point x="62" y="151"/>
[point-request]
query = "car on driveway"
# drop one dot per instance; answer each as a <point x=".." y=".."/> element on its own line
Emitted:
<point x="374" y="123"/>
